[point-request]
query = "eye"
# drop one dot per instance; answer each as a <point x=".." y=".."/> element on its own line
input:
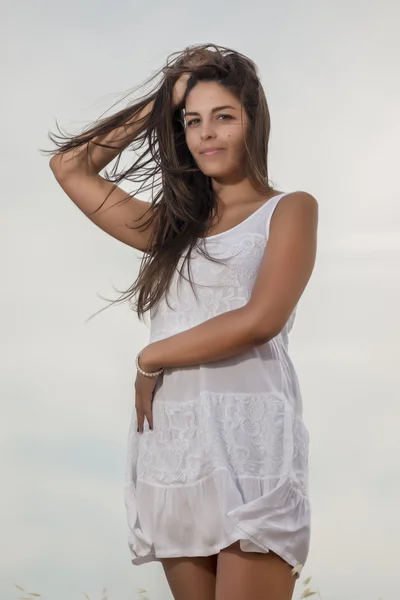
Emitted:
<point x="189" y="123"/>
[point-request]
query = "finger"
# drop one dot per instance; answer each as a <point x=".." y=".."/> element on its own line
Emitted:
<point x="140" y="419"/>
<point x="149" y="414"/>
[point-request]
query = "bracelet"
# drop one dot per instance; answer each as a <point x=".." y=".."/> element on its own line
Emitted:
<point x="153" y="374"/>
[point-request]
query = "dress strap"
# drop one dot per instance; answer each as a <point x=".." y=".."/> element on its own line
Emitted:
<point x="272" y="204"/>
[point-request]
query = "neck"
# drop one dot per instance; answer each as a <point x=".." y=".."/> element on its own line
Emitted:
<point x="236" y="193"/>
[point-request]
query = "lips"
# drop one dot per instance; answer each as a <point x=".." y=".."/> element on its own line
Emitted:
<point x="211" y="151"/>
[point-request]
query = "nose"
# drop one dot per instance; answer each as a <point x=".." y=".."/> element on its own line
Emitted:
<point x="207" y="131"/>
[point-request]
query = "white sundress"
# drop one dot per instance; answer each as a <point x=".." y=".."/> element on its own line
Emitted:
<point x="227" y="459"/>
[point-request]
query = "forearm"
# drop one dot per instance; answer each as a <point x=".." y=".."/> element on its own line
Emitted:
<point x="221" y="337"/>
<point x="93" y="158"/>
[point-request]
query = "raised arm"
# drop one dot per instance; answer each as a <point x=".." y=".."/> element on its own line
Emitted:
<point x="77" y="172"/>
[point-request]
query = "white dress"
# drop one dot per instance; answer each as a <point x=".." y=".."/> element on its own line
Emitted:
<point x="227" y="459"/>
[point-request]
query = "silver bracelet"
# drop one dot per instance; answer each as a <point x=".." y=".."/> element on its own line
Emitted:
<point x="154" y="374"/>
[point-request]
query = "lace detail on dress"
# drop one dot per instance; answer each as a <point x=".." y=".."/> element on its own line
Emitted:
<point x="246" y="433"/>
<point x="219" y="287"/>
<point x="228" y="456"/>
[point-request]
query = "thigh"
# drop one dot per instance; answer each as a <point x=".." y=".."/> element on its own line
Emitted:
<point x="253" y="575"/>
<point x="191" y="578"/>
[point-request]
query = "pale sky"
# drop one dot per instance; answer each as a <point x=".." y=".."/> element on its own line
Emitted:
<point x="330" y="72"/>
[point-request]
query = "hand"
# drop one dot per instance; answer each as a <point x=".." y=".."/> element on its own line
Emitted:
<point x="196" y="59"/>
<point x="144" y="390"/>
<point x="180" y="89"/>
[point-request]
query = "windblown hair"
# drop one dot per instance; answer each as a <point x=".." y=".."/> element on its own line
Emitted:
<point x="183" y="202"/>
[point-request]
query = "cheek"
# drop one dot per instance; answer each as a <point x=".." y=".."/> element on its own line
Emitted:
<point x="236" y="144"/>
<point x="190" y="142"/>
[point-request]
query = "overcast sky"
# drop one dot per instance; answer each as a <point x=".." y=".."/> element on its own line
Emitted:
<point x="331" y="74"/>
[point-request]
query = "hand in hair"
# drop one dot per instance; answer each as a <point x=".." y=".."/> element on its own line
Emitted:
<point x="197" y="58"/>
<point x="180" y="89"/>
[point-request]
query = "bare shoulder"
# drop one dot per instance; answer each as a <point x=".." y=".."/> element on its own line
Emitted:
<point x="297" y="215"/>
<point x="304" y="198"/>
<point x="297" y="203"/>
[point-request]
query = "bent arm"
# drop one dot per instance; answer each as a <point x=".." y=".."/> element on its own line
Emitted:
<point x="284" y="272"/>
<point x="77" y="172"/>
<point x="220" y="337"/>
<point x="92" y="157"/>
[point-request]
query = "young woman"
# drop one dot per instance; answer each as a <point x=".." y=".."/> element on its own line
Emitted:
<point x="217" y="466"/>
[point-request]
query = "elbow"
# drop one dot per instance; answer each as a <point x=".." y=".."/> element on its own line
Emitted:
<point x="55" y="159"/>
<point x="262" y="330"/>
<point x="58" y="165"/>
<point x="262" y="336"/>
<point x="54" y="164"/>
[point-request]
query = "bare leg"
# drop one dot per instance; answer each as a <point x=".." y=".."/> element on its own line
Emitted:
<point x="252" y="575"/>
<point x="191" y="578"/>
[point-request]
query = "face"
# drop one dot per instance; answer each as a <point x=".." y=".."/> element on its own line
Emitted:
<point x="208" y="125"/>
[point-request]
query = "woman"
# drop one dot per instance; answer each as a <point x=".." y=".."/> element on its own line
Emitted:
<point x="217" y="468"/>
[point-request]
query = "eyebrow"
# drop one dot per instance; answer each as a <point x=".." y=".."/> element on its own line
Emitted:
<point x="212" y="111"/>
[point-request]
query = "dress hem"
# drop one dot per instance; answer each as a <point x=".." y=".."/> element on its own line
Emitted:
<point x="151" y="557"/>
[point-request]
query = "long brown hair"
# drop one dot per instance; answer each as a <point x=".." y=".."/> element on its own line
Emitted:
<point x="183" y="201"/>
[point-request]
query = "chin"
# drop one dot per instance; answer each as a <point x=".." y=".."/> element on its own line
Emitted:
<point x="215" y="171"/>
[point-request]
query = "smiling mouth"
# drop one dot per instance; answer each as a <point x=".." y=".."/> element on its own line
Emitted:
<point x="212" y="152"/>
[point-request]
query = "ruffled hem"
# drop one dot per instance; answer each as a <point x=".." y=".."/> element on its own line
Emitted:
<point x="277" y="521"/>
<point x="150" y="556"/>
